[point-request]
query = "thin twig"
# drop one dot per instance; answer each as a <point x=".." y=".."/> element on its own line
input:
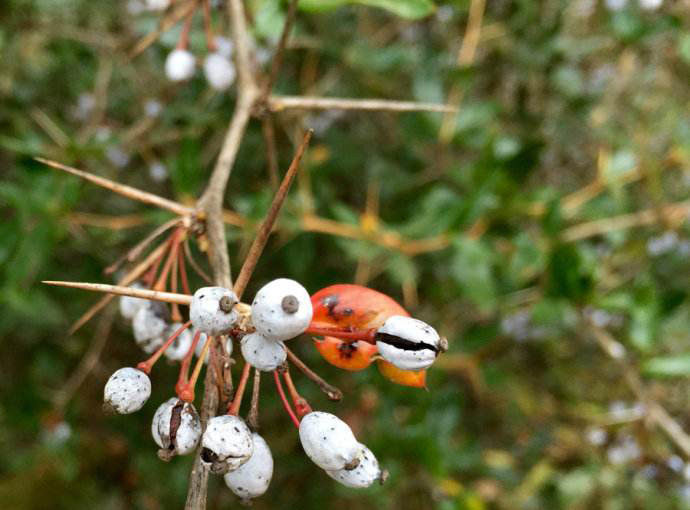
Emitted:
<point x="192" y="262"/>
<point x="253" y="416"/>
<point x="135" y="252"/>
<point x="88" y="361"/>
<point x="331" y="391"/>
<point x="279" y="103"/>
<point x="269" y="134"/>
<point x="166" y="23"/>
<point x="122" y="189"/>
<point x="277" y="61"/>
<point x="211" y="203"/>
<point x="261" y="238"/>
<point x="130" y="277"/>
<point x="669" y="212"/>
<point x="656" y="413"/>
<point x="155" y="295"/>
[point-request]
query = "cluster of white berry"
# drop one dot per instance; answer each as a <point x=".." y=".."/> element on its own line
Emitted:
<point x="180" y="65"/>
<point x="281" y="310"/>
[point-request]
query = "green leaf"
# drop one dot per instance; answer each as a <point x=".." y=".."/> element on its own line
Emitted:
<point x="668" y="366"/>
<point x="411" y="9"/>
<point x="472" y="269"/>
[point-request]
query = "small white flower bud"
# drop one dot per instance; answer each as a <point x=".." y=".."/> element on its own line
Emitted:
<point x="219" y="71"/>
<point x="126" y="391"/>
<point x="180" y="65"/>
<point x="366" y="473"/>
<point x="263" y="354"/>
<point x="328" y="441"/>
<point x="281" y="309"/>
<point x="408" y="343"/>
<point x="212" y="310"/>
<point x="227" y="443"/>
<point x="176" y="428"/>
<point x="252" y="478"/>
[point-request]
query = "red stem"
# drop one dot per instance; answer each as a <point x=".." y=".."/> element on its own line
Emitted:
<point x="361" y="335"/>
<point x="210" y="43"/>
<point x="182" y="386"/>
<point x="183" y="42"/>
<point x="183" y="272"/>
<point x="146" y="366"/>
<point x="301" y="405"/>
<point x="234" y="407"/>
<point x="286" y="404"/>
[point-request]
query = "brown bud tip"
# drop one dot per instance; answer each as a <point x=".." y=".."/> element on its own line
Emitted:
<point x="443" y="344"/>
<point x="165" y="454"/>
<point x="225" y="304"/>
<point x="383" y="476"/>
<point x="290" y="304"/>
<point x="352" y="464"/>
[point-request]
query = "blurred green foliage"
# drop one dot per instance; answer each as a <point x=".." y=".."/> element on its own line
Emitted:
<point x="572" y="114"/>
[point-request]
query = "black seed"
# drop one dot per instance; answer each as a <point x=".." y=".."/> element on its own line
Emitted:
<point x="208" y="456"/>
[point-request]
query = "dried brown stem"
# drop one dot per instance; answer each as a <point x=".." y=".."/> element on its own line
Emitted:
<point x="122" y="189"/>
<point x="277" y="61"/>
<point x="279" y="103"/>
<point x="130" y="277"/>
<point x="253" y="416"/>
<point x="271" y="150"/>
<point x="168" y="297"/>
<point x="88" y="361"/>
<point x="331" y="391"/>
<point x="211" y="203"/>
<point x="656" y="413"/>
<point x="262" y="235"/>
<point x="166" y="23"/>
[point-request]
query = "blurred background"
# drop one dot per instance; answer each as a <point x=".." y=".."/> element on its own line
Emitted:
<point x="542" y="229"/>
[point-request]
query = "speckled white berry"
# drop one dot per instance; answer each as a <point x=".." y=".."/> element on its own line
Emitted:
<point x="126" y="391"/>
<point x="212" y="310"/>
<point x="263" y="354"/>
<point x="366" y="473"/>
<point x="129" y="305"/>
<point x="149" y="326"/>
<point x="179" y="347"/>
<point x="227" y="443"/>
<point x="219" y="71"/>
<point x="176" y="428"/>
<point x="408" y="343"/>
<point x="328" y="441"/>
<point x="281" y="309"/>
<point x="252" y="478"/>
<point x="180" y="65"/>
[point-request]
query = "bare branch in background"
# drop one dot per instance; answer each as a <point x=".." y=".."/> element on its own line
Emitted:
<point x="280" y="103"/>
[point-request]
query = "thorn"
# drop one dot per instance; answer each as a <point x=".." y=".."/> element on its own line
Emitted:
<point x="154" y="295"/>
<point x="122" y="189"/>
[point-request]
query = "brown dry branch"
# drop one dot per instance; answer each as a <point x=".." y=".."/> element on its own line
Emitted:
<point x="154" y="295"/>
<point x="331" y="391"/>
<point x="279" y="103"/>
<point x="182" y="10"/>
<point x="655" y="412"/>
<point x="122" y="189"/>
<point x="264" y="232"/>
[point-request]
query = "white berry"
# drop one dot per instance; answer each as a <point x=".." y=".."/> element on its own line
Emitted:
<point x="180" y="65"/>
<point x="219" y="71"/>
<point x="263" y="354"/>
<point x="149" y="326"/>
<point x="129" y="305"/>
<point x="328" y="441"/>
<point x="366" y="473"/>
<point x="281" y="309"/>
<point x="212" y="310"/>
<point x="176" y="428"/>
<point x="126" y="391"/>
<point x="227" y="443"/>
<point x="224" y="45"/>
<point x="179" y="347"/>
<point x="408" y="343"/>
<point x="252" y="478"/>
<point x="157" y="5"/>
